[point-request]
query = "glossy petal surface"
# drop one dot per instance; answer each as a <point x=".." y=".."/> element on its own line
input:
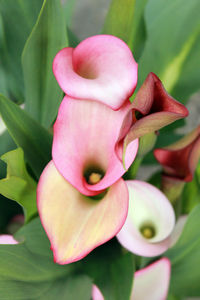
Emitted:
<point x="152" y="282"/>
<point x="148" y="207"/>
<point x="100" y="68"/>
<point x="85" y="137"/>
<point x="76" y="224"/>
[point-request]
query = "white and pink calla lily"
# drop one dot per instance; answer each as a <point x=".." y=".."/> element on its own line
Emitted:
<point x="85" y="140"/>
<point x="101" y="68"/>
<point x="150" y="283"/>
<point x="150" y="222"/>
<point x="74" y="223"/>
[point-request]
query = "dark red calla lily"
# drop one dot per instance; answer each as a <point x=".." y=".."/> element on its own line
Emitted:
<point x="153" y="108"/>
<point x="180" y="159"/>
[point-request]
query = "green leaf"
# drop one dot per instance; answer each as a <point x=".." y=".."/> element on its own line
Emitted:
<point x="28" y="271"/>
<point x="190" y="195"/>
<point x="67" y="288"/>
<point x="119" y="20"/>
<point x="7" y="144"/>
<point x="111" y="270"/>
<point x="71" y="288"/>
<point x="27" y="134"/>
<point x="13" y="34"/>
<point x="68" y="7"/>
<point x="19" y="262"/>
<point x="125" y="19"/>
<point x="184" y="256"/>
<point x="18" y="185"/>
<point x="165" y="53"/>
<point x="43" y="95"/>
<point x="188" y="82"/>
<point x="137" y="37"/>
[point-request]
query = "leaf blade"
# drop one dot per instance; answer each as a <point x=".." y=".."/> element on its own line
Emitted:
<point x="49" y="35"/>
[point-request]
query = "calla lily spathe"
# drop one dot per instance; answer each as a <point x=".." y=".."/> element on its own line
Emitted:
<point x="74" y="223"/>
<point x="179" y="162"/>
<point x="180" y="159"/>
<point x="148" y="229"/>
<point x="101" y="68"/>
<point x="85" y="140"/>
<point x="152" y="109"/>
<point x="150" y="283"/>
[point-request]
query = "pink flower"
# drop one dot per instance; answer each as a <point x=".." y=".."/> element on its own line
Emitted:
<point x="85" y="139"/>
<point x="150" y="220"/>
<point x="74" y="223"/>
<point x="150" y="283"/>
<point x="100" y="68"/>
<point x="149" y="229"/>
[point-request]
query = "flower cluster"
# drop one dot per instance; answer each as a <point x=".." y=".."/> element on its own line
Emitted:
<point x="82" y="199"/>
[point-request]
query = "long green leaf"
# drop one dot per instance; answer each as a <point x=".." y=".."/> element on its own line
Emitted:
<point x="173" y="29"/>
<point x="43" y="95"/>
<point x="185" y="259"/>
<point x="119" y="20"/>
<point x="125" y="19"/>
<point x="17" y="20"/>
<point x="27" y="134"/>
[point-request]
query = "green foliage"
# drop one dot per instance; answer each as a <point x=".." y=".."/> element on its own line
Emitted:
<point x="172" y="36"/>
<point x="119" y="20"/>
<point x="68" y="7"/>
<point x="111" y="270"/>
<point x="7" y="144"/>
<point x="28" y="271"/>
<point x="137" y="37"/>
<point x="27" y="134"/>
<point x="16" y="21"/>
<point x="18" y="185"/>
<point x="184" y="256"/>
<point x="125" y="20"/>
<point x="191" y="195"/>
<point x="49" y="35"/>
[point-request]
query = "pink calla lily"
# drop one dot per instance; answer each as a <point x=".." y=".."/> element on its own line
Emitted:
<point x="150" y="220"/>
<point x="84" y="143"/>
<point x="100" y="68"/>
<point x="74" y="223"/>
<point x="150" y="283"/>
